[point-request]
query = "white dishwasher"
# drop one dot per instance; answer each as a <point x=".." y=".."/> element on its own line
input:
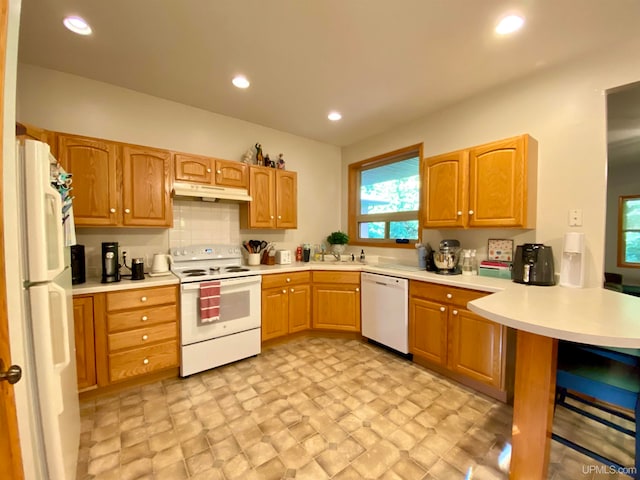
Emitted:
<point x="385" y="310"/>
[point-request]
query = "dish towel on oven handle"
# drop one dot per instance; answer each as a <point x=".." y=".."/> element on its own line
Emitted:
<point x="209" y="301"/>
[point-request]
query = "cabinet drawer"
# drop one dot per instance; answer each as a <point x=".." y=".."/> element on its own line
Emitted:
<point x="336" y="277"/>
<point x="142" y="336"/>
<point x="443" y="293"/>
<point x="140" y="318"/>
<point x="141" y="298"/>
<point x="142" y="360"/>
<point x="285" y="279"/>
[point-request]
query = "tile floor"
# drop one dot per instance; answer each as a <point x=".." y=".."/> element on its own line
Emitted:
<point x="314" y="408"/>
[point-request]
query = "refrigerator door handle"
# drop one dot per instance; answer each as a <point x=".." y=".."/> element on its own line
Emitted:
<point x="58" y="306"/>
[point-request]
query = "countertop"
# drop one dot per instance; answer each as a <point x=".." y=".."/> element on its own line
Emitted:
<point x="93" y="285"/>
<point x="594" y="316"/>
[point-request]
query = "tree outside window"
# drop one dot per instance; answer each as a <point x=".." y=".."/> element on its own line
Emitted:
<point x="629" y="231"/>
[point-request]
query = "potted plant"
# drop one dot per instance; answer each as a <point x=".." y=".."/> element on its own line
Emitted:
<point x="338" y="240"/>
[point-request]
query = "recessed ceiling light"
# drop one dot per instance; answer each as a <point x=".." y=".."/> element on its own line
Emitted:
<point x="509" y="24"/>
<point x="334" y="116"/>
<point x="77" y="25"/>
<point x="240" y="81"/>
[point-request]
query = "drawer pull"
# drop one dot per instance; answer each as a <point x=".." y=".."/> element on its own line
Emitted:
<point x="112" y="210"/>
<point x="292" y="290"/>
<point x="143" y="299"/>
<point x="144" y="318"/>
<point x="145" y="337"/>
<point x="284" y="291"/>
<point x="442" y="309"/>
<point x="449" y="295"/>
<point x="455" y="312"/>
<point x="145" y="361"/>
<point x="219" y="172"/>
<point x="208" y="170"/>
<point x="288" y="280"/>
<point x="126" y="210"/>
<point x="357" y="289"/>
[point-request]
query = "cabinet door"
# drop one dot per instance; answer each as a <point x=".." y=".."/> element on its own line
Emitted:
<point x="336" y="307"/>
<point x="286" y="199"/>
<point x="262" y="205"/>
<point x="146" y="187"/>
<point x="497" y="190"/>
<point x="275" y="312"/>
<point x="476" y="347"/>
<point x="85" y="341"/>
<point x="193" y="168"/>
<point x="299" y="308"/>
<point x="93" y="164"/>
<point x="444" y="195"/>
<point x="231" y="174"/>
<point x="428" y="330"/>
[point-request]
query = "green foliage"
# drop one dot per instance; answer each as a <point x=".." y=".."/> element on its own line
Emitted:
<point x="338" y="238"/>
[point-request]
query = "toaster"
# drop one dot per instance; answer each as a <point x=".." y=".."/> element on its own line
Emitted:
<point x="283" y="257"/>
<point x="533" y="265"/>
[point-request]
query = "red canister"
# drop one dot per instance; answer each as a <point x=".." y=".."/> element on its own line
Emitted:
<point x="299" y="254"/>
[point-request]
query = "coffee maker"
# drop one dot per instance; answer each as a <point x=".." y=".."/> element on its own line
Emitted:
<point x="533" y="265"/>
<point x="110" y="265"/>
<point x="446" y="258"/>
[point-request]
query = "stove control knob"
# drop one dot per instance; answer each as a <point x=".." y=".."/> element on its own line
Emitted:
<point x="184" y="252"/>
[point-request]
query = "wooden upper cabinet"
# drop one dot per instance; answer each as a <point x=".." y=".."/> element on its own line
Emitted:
<point x="231" y="174"/>
<point x="193" y="168"/>
<point x="146" y="187"/>
<point x="210" y="171"/>
<point x="263" y="204"/>
<point x="94" y="165"/>
<point x="491" y="186"/>
<point x="444" y="198"/>
<point x="498" y="183"/>
<point x="286" y="199"/>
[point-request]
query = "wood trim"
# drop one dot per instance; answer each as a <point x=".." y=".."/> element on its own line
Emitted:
<point x="100" y="329"/>
<point x="621" y="246"/>
<point x="354" y="188"/>
<point x="172" y="372"/>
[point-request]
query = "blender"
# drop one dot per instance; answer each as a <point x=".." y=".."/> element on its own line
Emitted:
<point x="446" y="258"/>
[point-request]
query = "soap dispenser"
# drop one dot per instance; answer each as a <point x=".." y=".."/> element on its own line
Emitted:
<point x="573" y="260"/>
<point x="362" y="256"/>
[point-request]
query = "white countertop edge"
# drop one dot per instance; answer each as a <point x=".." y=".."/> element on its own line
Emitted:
<point x="592" y="316"/>
<point x="93" y="285"/>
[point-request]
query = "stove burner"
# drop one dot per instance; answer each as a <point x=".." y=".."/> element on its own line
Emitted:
<point x="194" y="270"/>
<point x="195" y="273"/>
<point x="236" y="269"/>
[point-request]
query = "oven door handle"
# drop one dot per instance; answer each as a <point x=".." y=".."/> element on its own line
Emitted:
<point x="227" y="282"/>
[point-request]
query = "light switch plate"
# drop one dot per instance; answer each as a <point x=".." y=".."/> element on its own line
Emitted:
<point x="575" y="217"/>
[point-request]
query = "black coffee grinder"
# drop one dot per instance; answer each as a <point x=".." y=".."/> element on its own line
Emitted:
<point x="110" y="266"/>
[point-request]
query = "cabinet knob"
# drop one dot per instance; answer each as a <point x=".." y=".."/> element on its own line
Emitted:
<point x="288" y="280"/>
<point x="459" y="213"/>
<point x="112" y="210"/>
<point x="455" y="312"/>
<point x="442" y="309"/>
<point x="144" y="318"/>
<point x="357" y="289"/>
<point x="449" y="295"/>
<point x="208" y="170"/>
<point x="145" y="361"/>
<point x="143" y="299"/>
<point x="218" y="172"/>
<point x="271" y="217"/>
<point x="279" y="217"/>
<point x="292" y="290"/>
<point x="284" y="291"/>
<point x="126" y="210"/>
<point x="145" y="337"/>
<point x="470" y="212"/>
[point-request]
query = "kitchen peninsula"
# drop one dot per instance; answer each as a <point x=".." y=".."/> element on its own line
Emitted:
<point x="542" y="316"/>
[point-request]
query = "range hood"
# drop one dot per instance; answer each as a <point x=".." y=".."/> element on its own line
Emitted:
<point x="210" y="193"/>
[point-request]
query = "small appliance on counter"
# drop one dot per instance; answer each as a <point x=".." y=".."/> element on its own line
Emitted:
<point x="446" y="258"/>
<point x="78" y="265"/>
<point x="137" y="269"/>
<point x="160" y="264"/>
<point x="110" y="265"/>
<point x="283" y="257"/>
<point x="533" y="265"/>
<point x="572" y="263"/>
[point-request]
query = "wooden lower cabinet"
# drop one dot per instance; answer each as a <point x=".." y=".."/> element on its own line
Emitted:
<point x="336" y="300"/>
<point x="286" y="304"/>
<point x="135" y="333"/>
<point x="85" y="341"/>
<point x="444" y="335"/>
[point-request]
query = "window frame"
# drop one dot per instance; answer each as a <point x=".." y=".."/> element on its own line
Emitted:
<point x="355" y="216"/>
<point x="622" y="199"/>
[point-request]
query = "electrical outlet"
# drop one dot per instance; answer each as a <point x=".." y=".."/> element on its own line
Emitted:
<point x="575" y="217"/>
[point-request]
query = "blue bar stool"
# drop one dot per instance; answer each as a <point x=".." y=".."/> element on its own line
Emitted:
<point x="609" y="375"/>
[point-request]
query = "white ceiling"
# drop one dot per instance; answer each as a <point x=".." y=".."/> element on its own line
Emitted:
<point x="380" y="62"/>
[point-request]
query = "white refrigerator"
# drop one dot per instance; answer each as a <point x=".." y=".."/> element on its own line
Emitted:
<point x="48" y="307"/>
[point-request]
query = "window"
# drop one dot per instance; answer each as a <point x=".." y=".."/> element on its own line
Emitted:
<point x="384" y="198"/>
<point x="629" y="231"/>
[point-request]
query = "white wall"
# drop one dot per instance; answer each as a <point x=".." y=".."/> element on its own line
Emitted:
<point x="68" y="103"/>
<point x="622" y="180"/>
<point x="565" y="110"/>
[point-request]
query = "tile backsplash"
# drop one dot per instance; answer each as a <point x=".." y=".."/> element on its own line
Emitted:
<point x="199" y="222"/>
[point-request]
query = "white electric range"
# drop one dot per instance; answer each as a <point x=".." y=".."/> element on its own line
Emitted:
<point x="236" y="335"/>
